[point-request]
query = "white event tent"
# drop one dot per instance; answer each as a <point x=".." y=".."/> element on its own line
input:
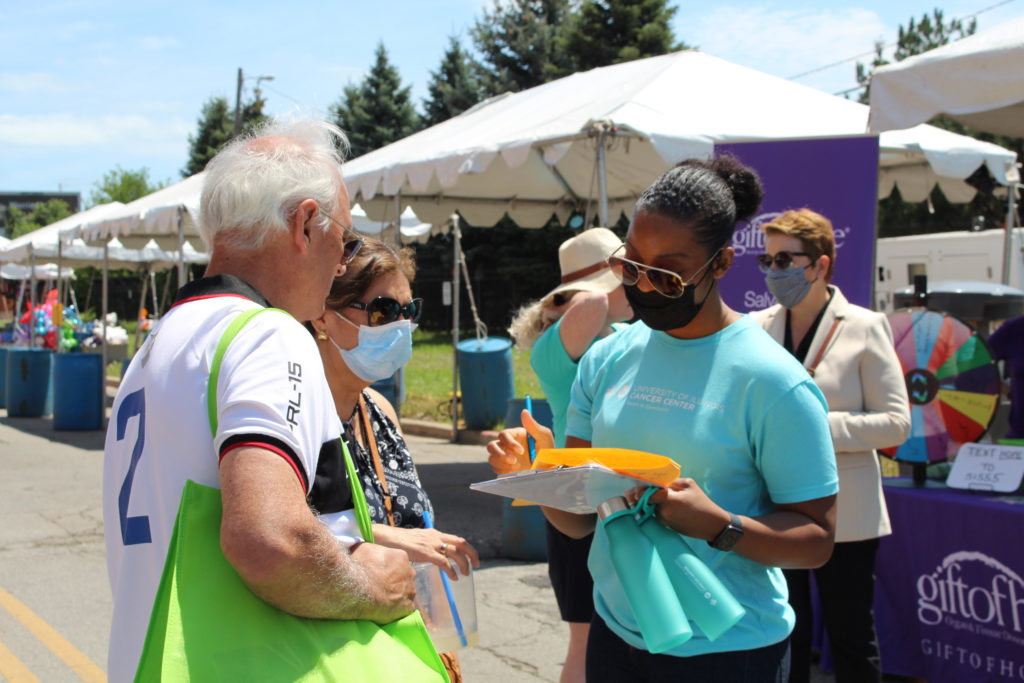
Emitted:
<point x="602" y="136"/>
<point x="978" y="80"/>
<point x="170" y="216"/>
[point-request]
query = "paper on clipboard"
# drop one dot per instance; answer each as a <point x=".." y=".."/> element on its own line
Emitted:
<point x="577" y="489"/>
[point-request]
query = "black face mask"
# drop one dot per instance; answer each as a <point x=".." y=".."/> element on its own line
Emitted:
<point x="663" y="313"/>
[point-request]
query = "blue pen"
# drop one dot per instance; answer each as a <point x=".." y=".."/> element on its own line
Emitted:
<point x="530" y="442"/>
<point x="429" y="523"/>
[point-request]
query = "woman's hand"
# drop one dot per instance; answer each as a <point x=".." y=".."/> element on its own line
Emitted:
<point x="510" y="452"/>
<point x="430" y="545"/>
<point x="684" y="507"/>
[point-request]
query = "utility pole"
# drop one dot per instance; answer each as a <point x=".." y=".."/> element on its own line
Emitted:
<point x="238" y="103"/>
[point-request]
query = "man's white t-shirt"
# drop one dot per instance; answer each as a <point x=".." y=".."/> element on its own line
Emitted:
<point x="272" y="393"/>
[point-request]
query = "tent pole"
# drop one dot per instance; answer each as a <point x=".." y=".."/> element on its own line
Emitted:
<point x="152" y="290"/>
<point x="1011" y="214"/>
<point x="181" y="249"/>
<point x="60" y="266"/>
<point x="103" y="308"/>
<point x="142" y="305"/>
<point x="602" y="180"/>
<point x="32" y="296"/>
<point x="456" y="255"/>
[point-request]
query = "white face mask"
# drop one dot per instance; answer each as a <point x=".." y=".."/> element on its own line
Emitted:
<point x="381" y="351"/>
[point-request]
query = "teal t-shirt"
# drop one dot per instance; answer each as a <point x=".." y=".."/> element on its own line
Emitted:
<point x="556" y="372"/>
<point x="742" y="418"/>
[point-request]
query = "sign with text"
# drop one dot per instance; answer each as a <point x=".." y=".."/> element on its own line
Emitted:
<point x="838" y="178"/>
<point x="987" y="467"/>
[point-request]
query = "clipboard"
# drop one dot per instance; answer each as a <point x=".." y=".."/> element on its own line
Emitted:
<point x="577" y="489"/>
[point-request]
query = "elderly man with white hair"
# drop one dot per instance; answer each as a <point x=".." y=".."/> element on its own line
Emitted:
<point x="275" y="215"/>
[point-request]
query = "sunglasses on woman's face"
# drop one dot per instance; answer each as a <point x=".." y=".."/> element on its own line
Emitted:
<point x="666" y="282"/>
<point x="782" y="260"/>
<point x="384" y="310"/>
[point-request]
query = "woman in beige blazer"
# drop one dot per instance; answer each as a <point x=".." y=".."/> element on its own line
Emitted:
<point x="849" y="352"/>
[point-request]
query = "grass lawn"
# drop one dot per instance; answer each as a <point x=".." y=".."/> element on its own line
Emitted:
<point x="428" y="376"/>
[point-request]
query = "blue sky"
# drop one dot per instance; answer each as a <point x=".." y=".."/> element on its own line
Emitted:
<point x="89" y="84"/>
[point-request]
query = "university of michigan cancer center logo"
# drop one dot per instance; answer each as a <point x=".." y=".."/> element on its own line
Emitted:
<point x="972" y="592"/>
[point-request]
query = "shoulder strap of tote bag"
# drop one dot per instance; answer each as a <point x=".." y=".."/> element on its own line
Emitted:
<point x="362" y="510"/>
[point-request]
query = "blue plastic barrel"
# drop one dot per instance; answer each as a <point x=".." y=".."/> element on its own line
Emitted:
<point x="3" y="376"/>
<point x="523" y="536"/>
<point x="77" y="391"/>
<point x="485" y="373"/>
<point x="28" y="382"/>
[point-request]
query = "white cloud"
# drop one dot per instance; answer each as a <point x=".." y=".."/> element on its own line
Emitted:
<point x="787" y="42"/>
<point x="33" y="82"/>
<point x="69" y="130"/>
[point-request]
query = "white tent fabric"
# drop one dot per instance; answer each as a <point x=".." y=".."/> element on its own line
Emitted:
<point x="534" y="152"/>
<point x="155" y="217"/>
<point x="21" y="248"/>
<point x="42" y="244"/>
<point x="978" y="80"/>
<point x="46" y="271"/>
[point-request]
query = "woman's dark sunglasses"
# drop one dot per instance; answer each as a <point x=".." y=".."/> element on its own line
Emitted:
<point x="782" y="260"/>
<point x="384" y="310"/>
<point x="666" y="282"/>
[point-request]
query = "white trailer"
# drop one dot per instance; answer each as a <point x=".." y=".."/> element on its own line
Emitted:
<point x="960" y="255"/>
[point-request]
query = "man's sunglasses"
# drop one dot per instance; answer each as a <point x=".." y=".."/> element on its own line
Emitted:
<point x="665" y="282"/>
<point x="384" y="310"/>
<point x="352" y="244"/>
<point x="782" y="260"/>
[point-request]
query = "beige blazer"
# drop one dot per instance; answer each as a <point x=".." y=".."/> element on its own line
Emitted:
<point x="863" y="383"/>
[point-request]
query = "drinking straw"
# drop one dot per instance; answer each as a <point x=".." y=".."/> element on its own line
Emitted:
<point x="448" y="590"/>
<point x="530" y="442"/>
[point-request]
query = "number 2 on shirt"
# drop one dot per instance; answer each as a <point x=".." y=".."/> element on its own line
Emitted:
<point x="134" y="530"/>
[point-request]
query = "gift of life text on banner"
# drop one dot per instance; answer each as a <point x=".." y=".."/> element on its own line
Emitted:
<point x="838" y="178"/>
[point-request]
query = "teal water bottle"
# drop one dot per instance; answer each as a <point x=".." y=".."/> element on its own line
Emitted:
<point x="703" y="596"/>
<point x="648" y="590"/>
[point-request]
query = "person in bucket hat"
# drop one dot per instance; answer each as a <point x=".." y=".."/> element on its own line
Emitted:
<point x="587" y="304"/>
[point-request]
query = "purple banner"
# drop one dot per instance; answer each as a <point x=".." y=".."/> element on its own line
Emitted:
<point x="838" y="178"/>
<point x="949" y="597"/>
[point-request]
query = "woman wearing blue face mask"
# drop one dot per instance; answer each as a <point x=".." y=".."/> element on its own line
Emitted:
<point x="364" y="335"/>
<point x="849" y="352"/>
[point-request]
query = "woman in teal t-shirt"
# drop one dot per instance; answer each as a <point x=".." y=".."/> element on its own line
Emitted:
<point x="700" y="383"/>
<point x="587" y="305"/>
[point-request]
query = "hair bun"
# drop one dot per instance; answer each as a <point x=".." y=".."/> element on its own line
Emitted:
<point x="747" y="191"/>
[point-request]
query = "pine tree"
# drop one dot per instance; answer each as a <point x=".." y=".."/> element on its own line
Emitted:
<point x="520" y="45"/>
<point x="453" y="88"/>
<point x="603" y="32"/>
<point x="216" y="126"/>
<point x="214" y="130"/>
<point x="379" y="110"/>
<point x="927" y="34"/>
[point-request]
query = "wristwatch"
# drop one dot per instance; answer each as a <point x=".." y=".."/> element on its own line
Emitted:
<point x="729" y="536"/>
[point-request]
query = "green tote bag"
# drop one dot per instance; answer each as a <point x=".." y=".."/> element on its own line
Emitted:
<point x="206" y="625"/>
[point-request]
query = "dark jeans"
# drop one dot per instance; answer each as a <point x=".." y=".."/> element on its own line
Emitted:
<point x="846" y="588"/>
<point x="612" y="660"/>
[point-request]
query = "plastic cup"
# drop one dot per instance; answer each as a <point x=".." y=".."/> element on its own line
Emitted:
<point x="448" y="631"/>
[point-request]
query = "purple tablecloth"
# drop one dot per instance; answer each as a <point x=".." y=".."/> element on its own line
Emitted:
<point x="949" y="600"/>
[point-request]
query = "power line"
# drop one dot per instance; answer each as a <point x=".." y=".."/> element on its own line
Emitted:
<point x="885" y="47"/>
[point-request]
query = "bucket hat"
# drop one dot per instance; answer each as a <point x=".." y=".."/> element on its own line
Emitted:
<point x="582" y="261"/>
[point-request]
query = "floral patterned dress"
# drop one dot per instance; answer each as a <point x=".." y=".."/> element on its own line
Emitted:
<point x="408" y="499"/>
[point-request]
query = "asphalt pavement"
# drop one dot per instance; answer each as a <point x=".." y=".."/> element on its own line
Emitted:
<point x="55" y="604"/>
